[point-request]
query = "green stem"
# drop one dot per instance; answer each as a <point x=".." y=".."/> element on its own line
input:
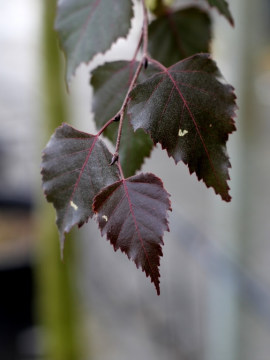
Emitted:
<point x="56" y="308"/>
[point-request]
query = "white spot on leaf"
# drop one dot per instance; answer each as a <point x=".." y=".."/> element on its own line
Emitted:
<point x="105" y="217"/>
<point x="182" y="132"/>
<point x="75" y="207"/>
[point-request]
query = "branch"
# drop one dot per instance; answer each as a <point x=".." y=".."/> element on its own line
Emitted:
<point x="144" y="62"/>
<point x="106" y="125"/>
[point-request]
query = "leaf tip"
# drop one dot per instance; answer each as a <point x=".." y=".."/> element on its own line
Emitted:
<point x="227" y="197"/>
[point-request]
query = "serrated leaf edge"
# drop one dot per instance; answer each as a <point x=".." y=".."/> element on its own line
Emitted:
<point x="157" y="284"/>
<point x="69" y="76"/>
<point x="232" y="117"/>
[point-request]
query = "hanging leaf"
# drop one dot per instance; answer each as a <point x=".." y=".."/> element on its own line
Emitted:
<point x="190" y="112"/>
<point x="75" y="167"/>
<point x="110" y="83"/>
<point x="180" y="34"/>
<point x="133" y="214"/>
<point x="223" y="8"/>
<point x="87" y="27"/>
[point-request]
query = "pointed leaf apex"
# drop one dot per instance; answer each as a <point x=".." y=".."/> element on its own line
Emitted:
<point x="133" y="214"/>
<point x="223" y="7"/>
<point x="190" y="113"/>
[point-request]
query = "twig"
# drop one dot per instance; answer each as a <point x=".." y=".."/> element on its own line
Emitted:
<point x="144" y="61"/>
<point x="123" y="108"/>
<point x="144" y="36"/>
<point x="145" y="30"/>
<point x="105" y="126"/>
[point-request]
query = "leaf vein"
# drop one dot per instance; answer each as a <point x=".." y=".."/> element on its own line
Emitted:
<point x="137" y="229"/>
<point x="196" y="126"/>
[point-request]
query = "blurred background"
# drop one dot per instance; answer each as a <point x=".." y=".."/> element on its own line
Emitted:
<point x="215" y="272"/>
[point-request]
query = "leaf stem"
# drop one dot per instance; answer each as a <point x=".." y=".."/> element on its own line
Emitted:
<point x="123" y="108"/>
<point x="105" y="126"/>
<point x="157" y="63"/>
<point x="118" y="114"/>
<point x="145" y="29"/>
<point x="144" y="37"/>
<point x="120" y="170"/>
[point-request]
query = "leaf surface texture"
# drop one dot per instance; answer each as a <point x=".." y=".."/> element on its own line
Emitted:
<point x="75" y="167"/>
<point x="178" y="35"/>
<point x="133" y="214"/>
<point x="223" y="8"/>
<point x="110" y="83"/>
<point x="87" y="27"/>
<point x="189" y="111"/>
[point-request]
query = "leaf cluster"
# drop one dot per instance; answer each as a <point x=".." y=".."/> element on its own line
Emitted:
<point x="170" y="92"/>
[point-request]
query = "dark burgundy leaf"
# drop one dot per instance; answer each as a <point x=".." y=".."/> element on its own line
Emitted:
<point x="223" y="8"/>
<point x="110" y="83"/>
<point x="133" y="214"/>
<point x="190" y="112"/>
<point x="177" y="35"/>
<point x="74" y="169"/>
<point x="87" y="27"/>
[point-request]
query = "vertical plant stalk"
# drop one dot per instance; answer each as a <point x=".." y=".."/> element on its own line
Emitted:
<point x="55" y="300"/>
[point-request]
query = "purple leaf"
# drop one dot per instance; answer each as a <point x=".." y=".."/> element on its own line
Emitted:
<point x="75" y="167"/>
<point x="223" y="8"/>
<point x="189" y="111"/>
<point x="177" y="35"/>
<point x="132" y="213"/>
<point x="87" y="27"/>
